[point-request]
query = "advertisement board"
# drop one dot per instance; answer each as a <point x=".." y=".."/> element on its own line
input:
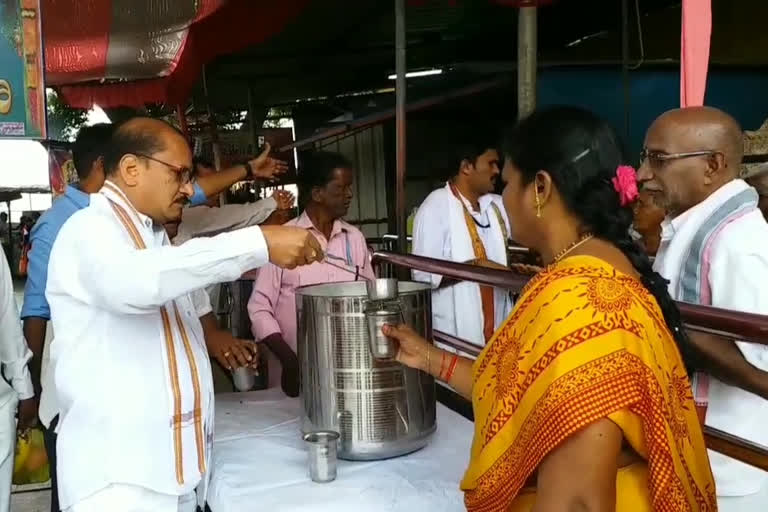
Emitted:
<point x="22" y="89"/>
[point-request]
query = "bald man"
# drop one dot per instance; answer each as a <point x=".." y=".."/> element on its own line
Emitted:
<point x="129" y="361"/>
<point x="714" y="251"/>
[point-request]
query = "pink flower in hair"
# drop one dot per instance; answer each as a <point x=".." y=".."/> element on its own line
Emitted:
<point x="625" y="184"/>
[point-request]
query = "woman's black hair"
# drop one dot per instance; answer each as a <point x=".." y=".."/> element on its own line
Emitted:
<point x="581" y="153"/>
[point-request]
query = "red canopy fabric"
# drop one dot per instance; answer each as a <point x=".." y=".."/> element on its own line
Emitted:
<point x="156" y="49"/>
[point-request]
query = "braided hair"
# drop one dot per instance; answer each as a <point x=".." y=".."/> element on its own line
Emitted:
<point x="581" y="153"/>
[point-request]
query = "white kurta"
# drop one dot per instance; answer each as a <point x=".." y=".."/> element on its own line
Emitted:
<point x="16" y="383"/>
<point x="109" y="360"/>
<point x="440" y="231"/>
<point x="737" y="277"/>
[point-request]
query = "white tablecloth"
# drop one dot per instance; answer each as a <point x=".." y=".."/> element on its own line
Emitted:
<point x="260" y="464"/>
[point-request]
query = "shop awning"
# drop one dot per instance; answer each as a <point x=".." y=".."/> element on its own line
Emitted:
<point x="132" y="52"/>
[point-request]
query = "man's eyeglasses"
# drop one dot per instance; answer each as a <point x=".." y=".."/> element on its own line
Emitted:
<point x="657" y="159"/>
<point x="184" y="173"/>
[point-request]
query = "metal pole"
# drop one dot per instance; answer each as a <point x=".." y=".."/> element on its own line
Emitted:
<point x="625" y="64"/>
<point x="252" y="124"/>
<point x="400" y="123"/>
<point x="212" y="126"/>
<point x="183" y="126"/>
<point x="526" y="61"/>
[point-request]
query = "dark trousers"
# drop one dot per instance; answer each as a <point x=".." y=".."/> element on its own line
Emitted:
<point x="49" y="436"/>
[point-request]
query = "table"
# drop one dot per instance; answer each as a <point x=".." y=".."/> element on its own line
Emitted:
<point x="260" y="463"/>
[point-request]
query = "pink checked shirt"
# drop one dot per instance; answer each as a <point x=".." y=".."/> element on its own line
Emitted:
<point x="272" y="307"/>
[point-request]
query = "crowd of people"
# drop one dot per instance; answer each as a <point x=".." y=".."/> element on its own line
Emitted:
<point x="589" y="393"/>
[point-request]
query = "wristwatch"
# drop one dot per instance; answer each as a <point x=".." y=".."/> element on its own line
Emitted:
<point x="248" y="170"/>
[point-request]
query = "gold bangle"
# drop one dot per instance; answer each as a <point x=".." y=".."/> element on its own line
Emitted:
<point x="429" y="366"/>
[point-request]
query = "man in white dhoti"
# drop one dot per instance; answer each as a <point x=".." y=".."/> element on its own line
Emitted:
<point x="129" y="362"/>
<point x="714" y="251"/>
<point x="465" y="222"/>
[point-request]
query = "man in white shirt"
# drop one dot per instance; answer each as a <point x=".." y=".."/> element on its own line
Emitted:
<point x="714" y="251"/>
<point x="16" y="388"/>
<point x="465" y="222"/>
<point x="129" y="362"/>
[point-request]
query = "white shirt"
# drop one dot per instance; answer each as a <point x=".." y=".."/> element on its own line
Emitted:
<point x="738" y="280"/>
<point x="440" y="231"/>
<point x="14" y="352"/>
<point x="109" y="361"/>
<point x="199" y="221"/>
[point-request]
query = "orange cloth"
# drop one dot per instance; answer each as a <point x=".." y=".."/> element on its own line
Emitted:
<point x="486" y="292"/>
<point x="694" y="51"/>
<point x="584" y="343"/>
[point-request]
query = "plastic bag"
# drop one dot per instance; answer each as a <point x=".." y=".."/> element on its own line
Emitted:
<point x="30" y="465"/>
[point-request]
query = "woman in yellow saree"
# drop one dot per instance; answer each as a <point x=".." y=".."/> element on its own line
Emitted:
<point x="581" y="399"/>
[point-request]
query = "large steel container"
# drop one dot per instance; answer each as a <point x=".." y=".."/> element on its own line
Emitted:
<point x="381" y="408"/>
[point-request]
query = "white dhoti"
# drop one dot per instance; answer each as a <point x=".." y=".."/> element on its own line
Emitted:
<point x="132" y="498"/>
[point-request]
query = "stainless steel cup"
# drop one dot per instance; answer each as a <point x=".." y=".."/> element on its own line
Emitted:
<point x="322" y="445"/>
<point x="382" y="347"/>
<point x="382" y="289"/>
<point x="244" y="378"/>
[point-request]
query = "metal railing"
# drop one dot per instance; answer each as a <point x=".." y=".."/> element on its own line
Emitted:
<point x="732" y="324"/>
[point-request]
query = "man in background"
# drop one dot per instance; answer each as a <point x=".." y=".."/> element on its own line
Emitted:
<point x="325" y="183"/>
<point x="756" y="174"/>
<point x="5" y="230"/>
<point x="714" y="252"/>
<point x="16" y="392"/>
<point x="649" y="214"/>
<point x="465" y="222"/>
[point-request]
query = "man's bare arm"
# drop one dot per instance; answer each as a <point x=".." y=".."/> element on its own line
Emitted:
<point x="720" y="357"/>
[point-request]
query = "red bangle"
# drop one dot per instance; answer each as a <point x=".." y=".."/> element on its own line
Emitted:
<point x="451" y="369"/>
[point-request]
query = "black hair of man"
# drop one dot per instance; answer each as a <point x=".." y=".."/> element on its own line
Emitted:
<point x="133" y="137"/>
<point x="3" y="216"/>
<point x="468" y="145"/>
<point x="90" y="145"/>
<point x="317" y="170"/>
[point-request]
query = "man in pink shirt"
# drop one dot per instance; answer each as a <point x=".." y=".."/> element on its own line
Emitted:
<point x="325" y="183"/>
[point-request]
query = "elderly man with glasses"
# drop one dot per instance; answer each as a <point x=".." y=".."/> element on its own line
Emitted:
<point x="714" y="251"/>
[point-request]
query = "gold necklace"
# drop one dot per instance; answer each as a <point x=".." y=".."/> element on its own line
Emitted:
<point x="583" y="239"/>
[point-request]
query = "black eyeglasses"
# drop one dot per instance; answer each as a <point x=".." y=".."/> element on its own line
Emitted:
<point x="656" y="159"/>
<point x="184" y="173"/>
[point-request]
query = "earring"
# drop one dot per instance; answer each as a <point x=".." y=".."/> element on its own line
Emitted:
<point x="538" y="203"/>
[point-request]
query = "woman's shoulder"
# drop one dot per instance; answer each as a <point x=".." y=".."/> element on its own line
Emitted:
<point x="588" y="284"/>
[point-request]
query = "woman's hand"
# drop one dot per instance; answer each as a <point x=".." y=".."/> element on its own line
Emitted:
<point x="412" y="348"/>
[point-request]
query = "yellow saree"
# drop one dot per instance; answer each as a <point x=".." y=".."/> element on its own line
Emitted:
<point x="583" y="343"/>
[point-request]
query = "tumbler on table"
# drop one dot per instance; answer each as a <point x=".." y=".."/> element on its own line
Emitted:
<point x="322" y="445"/>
